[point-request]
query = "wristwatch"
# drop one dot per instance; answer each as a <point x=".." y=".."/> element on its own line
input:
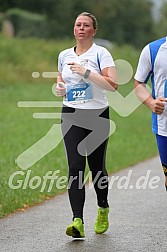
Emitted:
<point x="87" y="73"/>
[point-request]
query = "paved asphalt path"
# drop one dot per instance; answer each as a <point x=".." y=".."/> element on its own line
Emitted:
<point x="138" y="218"/>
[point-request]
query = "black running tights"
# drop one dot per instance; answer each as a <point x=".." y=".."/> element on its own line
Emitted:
<point x="77" y="161"/>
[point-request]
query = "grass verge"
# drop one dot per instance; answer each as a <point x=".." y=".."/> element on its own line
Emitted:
<point x="131" y="143"/>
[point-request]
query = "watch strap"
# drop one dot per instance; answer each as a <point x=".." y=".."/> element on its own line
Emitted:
<point x="86" y="75"/>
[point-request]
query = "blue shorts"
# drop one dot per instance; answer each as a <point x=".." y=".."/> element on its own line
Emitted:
<point x="162" y="148"/>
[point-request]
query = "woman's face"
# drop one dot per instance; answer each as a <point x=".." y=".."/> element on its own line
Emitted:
<point x="83" y="28"/>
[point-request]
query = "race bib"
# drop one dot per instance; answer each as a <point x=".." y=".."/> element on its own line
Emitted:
<point x="79" y="92"/>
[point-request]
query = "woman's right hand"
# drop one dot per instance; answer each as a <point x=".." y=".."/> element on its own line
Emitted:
<point x="60" y="89"/>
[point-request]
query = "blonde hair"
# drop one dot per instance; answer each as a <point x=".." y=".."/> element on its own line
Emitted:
<point x="94" y="20"/>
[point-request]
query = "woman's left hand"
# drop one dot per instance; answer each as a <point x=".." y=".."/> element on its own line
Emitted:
<point x="77" y="68"/>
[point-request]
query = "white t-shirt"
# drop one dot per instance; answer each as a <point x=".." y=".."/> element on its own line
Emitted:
<point x="153" y="61"/>
<point x="95" y="59"/>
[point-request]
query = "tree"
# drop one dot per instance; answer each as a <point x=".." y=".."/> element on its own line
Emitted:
<point x="125" y="21"/>
<point x="161" y="24"/>
<point x="120" y="21"/>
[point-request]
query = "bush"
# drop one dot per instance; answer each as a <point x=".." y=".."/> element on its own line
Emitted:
<point x="27" y="24"/>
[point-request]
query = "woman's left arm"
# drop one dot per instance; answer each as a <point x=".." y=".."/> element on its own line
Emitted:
<point x="109" y="74"/>
<point x="107" y="80"/>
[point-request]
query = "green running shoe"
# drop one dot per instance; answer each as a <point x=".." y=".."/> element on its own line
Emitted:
<point x="102" y="223"/>
<point x="76" y="229"/>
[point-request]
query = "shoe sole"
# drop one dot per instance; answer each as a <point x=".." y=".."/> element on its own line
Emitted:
<point x="72" y="231"/>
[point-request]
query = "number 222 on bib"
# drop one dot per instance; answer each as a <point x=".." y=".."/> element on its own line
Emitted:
<point x="79" y="92"/>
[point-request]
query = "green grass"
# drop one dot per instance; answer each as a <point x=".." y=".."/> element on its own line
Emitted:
<point x="131" y="143"/>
